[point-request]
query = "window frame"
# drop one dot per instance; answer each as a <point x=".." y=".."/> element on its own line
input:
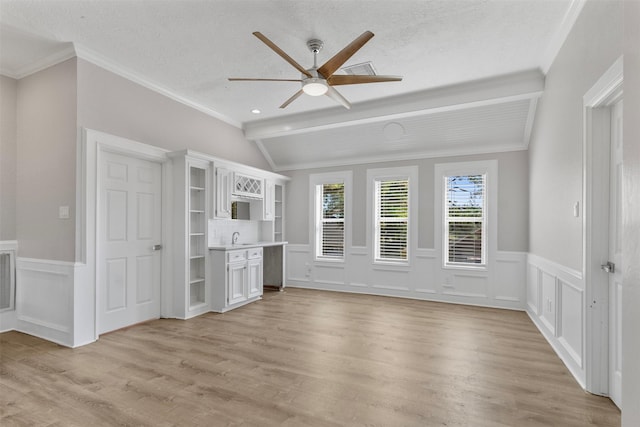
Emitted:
<point x="448" y="220"/>
<point x="488" y="168"/>
<point x="316" y="182"/>
<point x="409" y="173"/>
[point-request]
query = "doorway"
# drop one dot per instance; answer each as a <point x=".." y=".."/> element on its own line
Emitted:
<point x="129" y="229"/>
<point x="614" y="266"/>
<point x="602" y="167"/>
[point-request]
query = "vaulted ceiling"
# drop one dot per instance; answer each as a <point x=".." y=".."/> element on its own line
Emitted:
<point x="472" y="69"/>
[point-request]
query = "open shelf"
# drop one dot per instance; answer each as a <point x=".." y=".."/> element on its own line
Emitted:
<point x="197" y="236"/>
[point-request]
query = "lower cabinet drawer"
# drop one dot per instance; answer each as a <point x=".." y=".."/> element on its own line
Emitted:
<point x="233" y="256"/>
<point x="254" y="253"/>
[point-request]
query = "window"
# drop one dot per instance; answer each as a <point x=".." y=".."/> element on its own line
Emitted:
<point x="330" y="235"/>
<point x="464" y="219"/>
<point x="391" y="219"/>
<point x="329" y="199"/>
<point x="466" y="214"/>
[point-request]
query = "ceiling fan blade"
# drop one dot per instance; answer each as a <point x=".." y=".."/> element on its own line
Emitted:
<point x="341" y="57"/>
<point x="338" y="79"/>
<point x="293" y="98"/>
<point x="335" y="95"/>
<point x="243" y="79"/>
<point x="281" y="52"/>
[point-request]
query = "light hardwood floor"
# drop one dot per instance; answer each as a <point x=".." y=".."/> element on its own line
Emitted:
<point x="303" y="358"/>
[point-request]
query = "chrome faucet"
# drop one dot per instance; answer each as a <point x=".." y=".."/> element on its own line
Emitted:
<point x="234" y="237"/>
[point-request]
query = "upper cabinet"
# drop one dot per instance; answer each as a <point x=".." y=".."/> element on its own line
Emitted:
<point x="247" y="186"/>
<point x="223" y="186"/>
<point x="268" y="202"/>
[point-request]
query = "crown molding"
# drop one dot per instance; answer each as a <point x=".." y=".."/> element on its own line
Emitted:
<point x="561" y="34"/>
<point x="426" y="154"/>
<point x="110" y="65"/>
<point x="50" y="60"/>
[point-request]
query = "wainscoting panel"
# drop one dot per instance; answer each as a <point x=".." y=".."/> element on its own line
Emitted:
<point x="8" y="249"/>
<point x="509" y="266"/>
<point x="358" y="267"/>
<point x="502" y="285"/>
<point x="533" y="289"/>
<point x="44" y="299"/>
<point x="332" y="274"/>
<point x="467" y="285"/>
<point x="549" y="293"/>
<point x="556" y="304"/>
<point x="298" y="264"/>
<point x="424" y="272"/>
<point x="571" y="320"/>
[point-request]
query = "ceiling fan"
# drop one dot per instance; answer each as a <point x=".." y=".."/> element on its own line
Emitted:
<point x="317" y="81"/>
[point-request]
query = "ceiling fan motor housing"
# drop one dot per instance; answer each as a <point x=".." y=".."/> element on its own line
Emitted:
<point x="315" y="45"/>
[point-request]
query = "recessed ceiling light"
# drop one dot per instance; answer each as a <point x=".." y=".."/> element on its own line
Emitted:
<point x="256" y="111"/>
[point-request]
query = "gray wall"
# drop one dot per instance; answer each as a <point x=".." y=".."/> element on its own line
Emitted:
<point x="8" y="157"/>
<point x="115" y="105"/>
<point x="555" y="151"/>
<point x="513" y="198"/>
<point x="46" y="162"/>
<point x="631" y="220"/>
<point x="50" y="107"/>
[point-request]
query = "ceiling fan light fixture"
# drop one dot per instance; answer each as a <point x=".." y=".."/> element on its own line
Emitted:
<point x="314" y="86"/>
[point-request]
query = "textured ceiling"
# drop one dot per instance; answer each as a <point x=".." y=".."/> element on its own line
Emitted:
<point x="190" y="48"/>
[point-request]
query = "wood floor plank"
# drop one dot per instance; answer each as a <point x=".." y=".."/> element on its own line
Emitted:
<point x="303" y="358"/>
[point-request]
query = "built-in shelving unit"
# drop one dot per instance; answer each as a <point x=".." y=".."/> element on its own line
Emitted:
<point x="278" y="217"/>
<point x="197" y="237"/>
<point x="192" y="208"/>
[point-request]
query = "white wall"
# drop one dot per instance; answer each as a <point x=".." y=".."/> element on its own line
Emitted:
<point x="631" y="220"/>
<point x="555" y="290"/>
<point x="555" y="151"/>
<point x="501" y="285"/>
<point x="117" y="106"/>
<point x="8" y="157"/>
<point x="54" y="293"/>
<point x="513" y="193"/>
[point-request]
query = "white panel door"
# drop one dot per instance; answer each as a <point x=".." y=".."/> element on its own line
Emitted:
<point x="130" y="225"/>
<point x="615" y="256"/>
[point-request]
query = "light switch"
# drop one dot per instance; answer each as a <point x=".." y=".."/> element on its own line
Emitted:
<point x="63" y="212"/>
<point x="576" y="209"/>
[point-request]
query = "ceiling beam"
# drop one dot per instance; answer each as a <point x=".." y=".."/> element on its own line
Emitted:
<point x="522" y="85"/>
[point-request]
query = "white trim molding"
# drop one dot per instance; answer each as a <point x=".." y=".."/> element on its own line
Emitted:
<point x="44" y="299"/>
<point x="315" y="180"/>
<point x="556" y="305"/>
<point x="422" y="280"/>
<point x="559" y="37"/>
<point x="595" y="227"/>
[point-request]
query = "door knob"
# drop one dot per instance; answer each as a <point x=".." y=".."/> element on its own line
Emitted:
<point x="156" y="247"/>
<point x="609" y="267"/>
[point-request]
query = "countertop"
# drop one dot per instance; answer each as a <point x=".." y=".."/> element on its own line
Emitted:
<point x="230" y="247"/>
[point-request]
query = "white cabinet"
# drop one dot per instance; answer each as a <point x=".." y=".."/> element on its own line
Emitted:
<point x="254" y="275"/>
<point x="268" y="202"/>
<point x="237" y="282"/>
<point x="247" y="186"/>
<point x="191" y="208"/>
<point x="236" y="277"/>
<point x="223" y="186"/>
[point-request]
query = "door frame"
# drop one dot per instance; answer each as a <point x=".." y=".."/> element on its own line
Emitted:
<point x="595" y="233"/>
<point x="91" y="145"/>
